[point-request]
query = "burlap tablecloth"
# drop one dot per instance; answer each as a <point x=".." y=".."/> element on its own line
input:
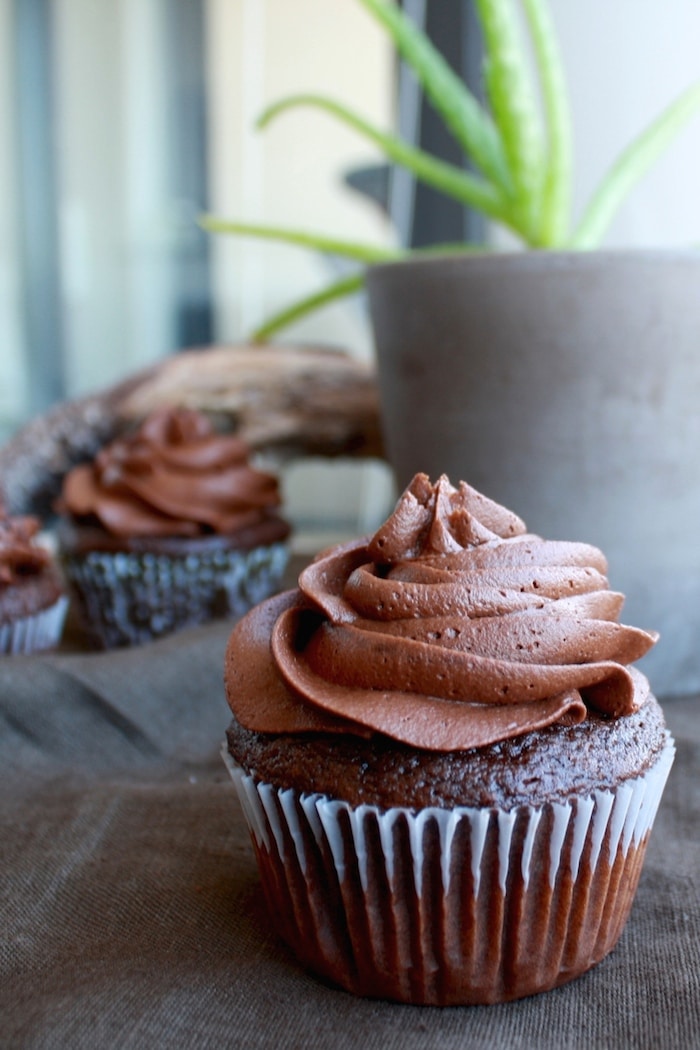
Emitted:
<point x="131" y="911"/>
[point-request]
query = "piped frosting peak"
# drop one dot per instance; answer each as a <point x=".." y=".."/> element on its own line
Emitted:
<point x="452" y="627"/>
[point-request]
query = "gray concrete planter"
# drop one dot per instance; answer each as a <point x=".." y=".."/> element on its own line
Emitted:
<point x="566" y="386"/>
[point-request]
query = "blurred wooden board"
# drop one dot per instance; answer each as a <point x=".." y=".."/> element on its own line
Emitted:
<point x="285" y="401"/>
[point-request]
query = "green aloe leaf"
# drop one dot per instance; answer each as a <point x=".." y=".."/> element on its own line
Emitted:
<point x="514" y="106"/>
<point x="462" y="186"/>
<point x="556" y="192"/>
<point x="463" y="115"/>
<point x="632" y="165"/>
<point x="347" y="286"/>
<point x="299" y="309"/>
<point x="366" y="253"/>
<point x="521" y="184"/>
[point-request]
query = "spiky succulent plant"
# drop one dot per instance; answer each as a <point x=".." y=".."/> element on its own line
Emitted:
<point x="518" y="144"/>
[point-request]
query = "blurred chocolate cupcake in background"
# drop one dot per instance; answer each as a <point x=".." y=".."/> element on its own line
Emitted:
<point x="170" y="526"/>
<point x="32" y="599"/>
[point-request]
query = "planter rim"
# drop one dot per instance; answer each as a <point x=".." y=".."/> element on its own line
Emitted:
<point x="536" y="260"/>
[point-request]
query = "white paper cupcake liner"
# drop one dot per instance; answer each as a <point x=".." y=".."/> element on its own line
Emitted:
<point x="129" y="598"/>
<point x="30" y="634"/>
<point x="451" y="906"/>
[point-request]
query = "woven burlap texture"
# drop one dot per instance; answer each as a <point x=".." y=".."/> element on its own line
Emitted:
<point x="131" y="909"/>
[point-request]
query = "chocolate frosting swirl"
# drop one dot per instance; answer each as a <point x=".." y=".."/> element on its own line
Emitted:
<point x="451" y="628"/>
<point x="20" y="556"/>
<point x="173" y="476"/>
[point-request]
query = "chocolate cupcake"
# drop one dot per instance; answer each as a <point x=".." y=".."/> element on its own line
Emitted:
<point x="169" y="527"/>
<point x="32" y="600"/>
<point x="449" y="769"/>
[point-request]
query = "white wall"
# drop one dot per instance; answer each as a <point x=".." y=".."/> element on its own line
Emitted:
<point x="626" y="60"/>
<point x="13" y="378"/>
<point x="114" y="220"/>
<point x="291" y="173"/>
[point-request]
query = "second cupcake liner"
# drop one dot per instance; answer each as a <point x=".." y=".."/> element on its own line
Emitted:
<point x="128" y="598"/>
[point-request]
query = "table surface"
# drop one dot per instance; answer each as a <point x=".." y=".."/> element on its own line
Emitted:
<point x="132" y="913"/>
